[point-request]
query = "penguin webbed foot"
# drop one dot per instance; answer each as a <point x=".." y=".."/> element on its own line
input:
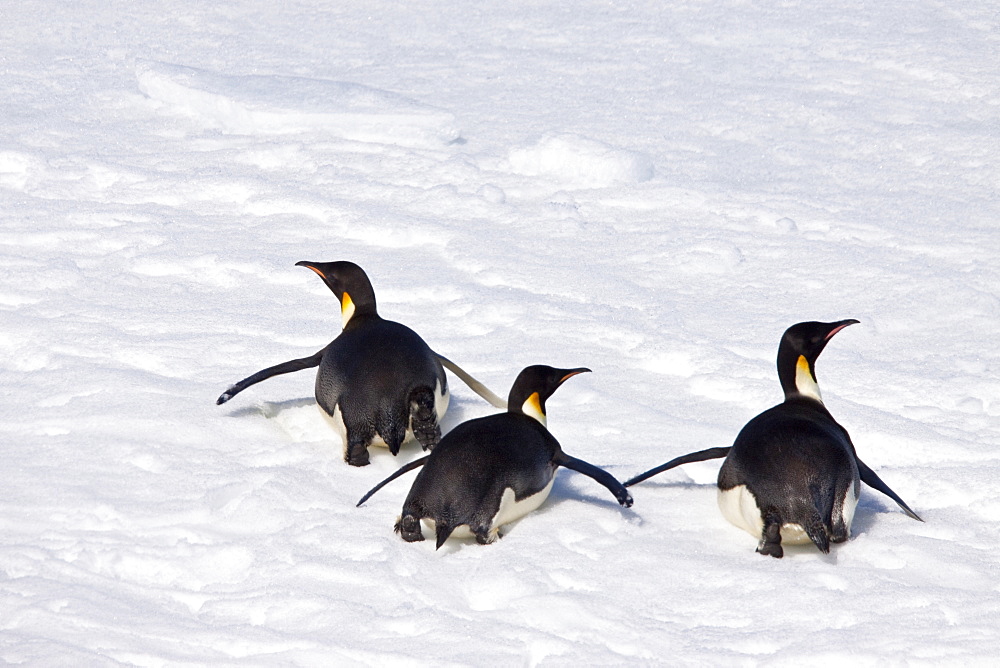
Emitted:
<point x="770" y="543"/>
<point x="771" y="550"/>
<point x="423" y="418"/>
<point x="408" y="528"/>
<point x="357" y="454"/>
<point x="484" y="536"/>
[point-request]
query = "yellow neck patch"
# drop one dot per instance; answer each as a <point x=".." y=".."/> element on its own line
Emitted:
<point x="805" y="383"/>
<point x="532" y="406"/>
<point x="346" y="309"/>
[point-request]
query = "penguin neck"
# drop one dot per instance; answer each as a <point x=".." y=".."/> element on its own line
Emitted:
<point x="798" y="379"/>
<point x="532" y="407"/>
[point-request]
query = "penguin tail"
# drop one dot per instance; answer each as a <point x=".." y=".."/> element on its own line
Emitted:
<point x="817" y="524"/>
<point x="423" y="417"/>
<point x="443" y="530"/>
<point x="818" y="533"/>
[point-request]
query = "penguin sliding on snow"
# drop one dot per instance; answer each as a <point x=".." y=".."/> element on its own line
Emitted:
<point x="792" y="475"/>
<point x="378" y="381"/>
<point x="493" y="470"/>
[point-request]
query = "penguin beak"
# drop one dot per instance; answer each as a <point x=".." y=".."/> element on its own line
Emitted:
<point x="839" y="326"/>
<point x="311" y="265"/>
<point x="573" y="372"/>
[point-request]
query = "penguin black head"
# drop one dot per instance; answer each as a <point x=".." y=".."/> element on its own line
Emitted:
<point x="351" y="285"/>
<point x="797" y="353"/>
<point x="534" y="385"/>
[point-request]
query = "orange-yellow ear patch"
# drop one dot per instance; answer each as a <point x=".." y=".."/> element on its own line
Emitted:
<point x="346" y="308"/>
<point x="532" y="406"/>
<point x="802" y="366"/>
<point x="805" y="382"/>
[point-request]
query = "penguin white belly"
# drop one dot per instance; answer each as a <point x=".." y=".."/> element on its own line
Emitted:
<point x="850" y="505"/>
<point x="441" y="401"/>
<point x="510" y="509"/>
<point x="739" y="506"/>
<point x="336" y="421"/>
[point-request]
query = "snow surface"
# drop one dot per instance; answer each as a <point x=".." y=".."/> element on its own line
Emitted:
<point x="652" y="190"/>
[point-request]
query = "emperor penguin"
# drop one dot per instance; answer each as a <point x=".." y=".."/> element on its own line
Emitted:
<point x="792" y="475"/>
<point x="378" y="381"/>
<point x="490" y="471"/>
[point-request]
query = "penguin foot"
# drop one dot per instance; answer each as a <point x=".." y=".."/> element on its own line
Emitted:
<point x="485" y="536"/>
<point x="357" y="455"/>
<point x="771" y="549"/>
<point x="423" y="419"/>
<point x="408" y="528"/>
<point x="770" y="542"/>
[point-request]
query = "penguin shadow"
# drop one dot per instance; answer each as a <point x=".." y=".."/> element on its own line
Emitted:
<point x="298" y="420"/>
<point x="564" y="490"/>
<point x="867" y="514"/>
<point x="271" y="409"/>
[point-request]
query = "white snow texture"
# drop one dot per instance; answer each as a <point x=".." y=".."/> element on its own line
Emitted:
<point x="652" y="190"/>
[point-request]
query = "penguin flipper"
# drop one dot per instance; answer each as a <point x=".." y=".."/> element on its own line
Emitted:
<point x="700" y="456"/>
<point x="406" y="468"/>
<point x="276" y="370"/>
<point x="473" y="384"/>
<point x="598" y="474"/>
<point x="872" y="480"/>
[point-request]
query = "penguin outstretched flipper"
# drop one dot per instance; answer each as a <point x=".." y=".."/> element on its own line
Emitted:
<point x="598" y="474"/>
<point x="406" y="468"/>
<point x="700" y="456"/>
<point x="872" y="480"/>
<point x="276" y="370"/>
<point x="473" y="384"/>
